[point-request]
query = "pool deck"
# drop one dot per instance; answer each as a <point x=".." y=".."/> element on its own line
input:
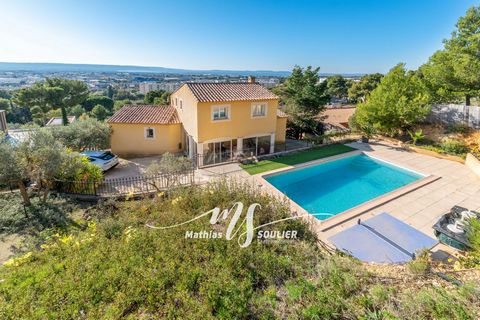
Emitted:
<point x="422" y="207"/>
<point x="448" y="183"/>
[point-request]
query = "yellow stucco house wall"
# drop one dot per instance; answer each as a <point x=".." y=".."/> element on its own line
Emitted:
<point x="129" y="140"/>
<point x="145" y="130"/>
<point x="217" y="121"/>
<point x="281" y="132"/>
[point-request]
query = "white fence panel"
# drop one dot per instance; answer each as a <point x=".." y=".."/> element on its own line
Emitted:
<point x="474" y="117"/>
<point x="455" y="114"/>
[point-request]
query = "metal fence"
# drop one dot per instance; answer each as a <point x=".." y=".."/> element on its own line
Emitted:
<point x="125" y="186"/>
<point x="205" y="160"/>
<point x="212" y="159"/>
<point x="452" y="114"/>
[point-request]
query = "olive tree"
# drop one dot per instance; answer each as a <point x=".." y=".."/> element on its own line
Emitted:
<point x="171" y="166"/>
<point x="12" y="168"/>
<point x="84" y="134"/>
<point x="43" y="156"/>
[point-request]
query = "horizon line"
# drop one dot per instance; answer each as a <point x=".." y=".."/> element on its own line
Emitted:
<point x="176" y="68"/>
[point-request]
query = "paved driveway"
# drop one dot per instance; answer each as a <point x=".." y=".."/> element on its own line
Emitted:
<point x="131" y="167"/>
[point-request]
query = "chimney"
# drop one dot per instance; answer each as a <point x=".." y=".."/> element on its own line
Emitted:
<point x="3" y="121"/>
<point x="251" y="79"/>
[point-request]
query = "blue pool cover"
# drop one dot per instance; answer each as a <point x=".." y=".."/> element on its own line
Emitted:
<point x="382" y="239"/>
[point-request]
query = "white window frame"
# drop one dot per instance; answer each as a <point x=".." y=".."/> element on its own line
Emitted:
<point x="218" y="107"/>
<point x="145" y="133"/>
<point x="254" y="104"/>
<point x="176" y="101"/>
<point x="181" y="104"/>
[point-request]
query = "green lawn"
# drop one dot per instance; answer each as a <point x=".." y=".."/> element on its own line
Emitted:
<point x="296" y="158"/>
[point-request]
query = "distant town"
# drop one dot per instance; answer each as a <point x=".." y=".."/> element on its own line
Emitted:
<point x="98" y="78"/>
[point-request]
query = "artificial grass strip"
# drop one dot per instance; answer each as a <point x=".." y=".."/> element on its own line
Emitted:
<point x="296" y="158"/>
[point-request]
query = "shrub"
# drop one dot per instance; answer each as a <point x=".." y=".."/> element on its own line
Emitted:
<point x="453" y="146"/>
<point x="473" y="142"/>
<point x="37" y="217"/>
<point x="472" y="259"/>
<point x="459" y="128"/>
<point x="84" y="134"/>
<point x="421" y="264"/>
<point x="76" y="167"/>
<point x="353" y="123"/>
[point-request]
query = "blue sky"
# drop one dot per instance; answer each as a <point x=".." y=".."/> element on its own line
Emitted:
<point x="346" y="36"/>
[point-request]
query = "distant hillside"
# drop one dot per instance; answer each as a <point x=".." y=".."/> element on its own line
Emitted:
<point x="67" y="67"/>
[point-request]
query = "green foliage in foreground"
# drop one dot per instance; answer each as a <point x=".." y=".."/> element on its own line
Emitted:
<point x="296" y="158"/>
<point x="472" y="260"/>
<point x="118" y="268"/>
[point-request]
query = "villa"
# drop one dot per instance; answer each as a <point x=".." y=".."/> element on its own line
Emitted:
<point x="214" y="121"/>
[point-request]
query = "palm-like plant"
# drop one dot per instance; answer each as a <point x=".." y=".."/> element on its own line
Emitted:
<point x="416" y="136"/>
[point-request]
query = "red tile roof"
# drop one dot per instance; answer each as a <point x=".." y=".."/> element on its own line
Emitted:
<point x="219" y="92"/>
<point x="281" y="114"/>
<point x="148" y="114"/>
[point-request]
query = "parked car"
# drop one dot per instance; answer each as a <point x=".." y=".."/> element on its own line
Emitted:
<point x="104" y="159"/>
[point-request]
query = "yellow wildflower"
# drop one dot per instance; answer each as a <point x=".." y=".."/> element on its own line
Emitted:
<point x="66" y="239"/>
<point x="176" y="200"/>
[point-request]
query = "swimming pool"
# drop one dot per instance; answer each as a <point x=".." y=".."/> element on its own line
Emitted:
<point x="327" y="189"/>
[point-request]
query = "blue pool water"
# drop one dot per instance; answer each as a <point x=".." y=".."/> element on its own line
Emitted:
<point x="333" y="187"/>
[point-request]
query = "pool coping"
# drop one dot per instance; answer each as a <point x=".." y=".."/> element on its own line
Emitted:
<point x="338" y="219"/>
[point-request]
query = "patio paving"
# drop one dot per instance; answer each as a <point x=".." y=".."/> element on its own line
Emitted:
<point x="133" y="167"/>
<point x="421" y="208"/>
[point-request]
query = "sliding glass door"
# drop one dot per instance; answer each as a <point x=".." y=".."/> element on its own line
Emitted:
<point x="256" y="146"/>
<point x="218" y="152"/>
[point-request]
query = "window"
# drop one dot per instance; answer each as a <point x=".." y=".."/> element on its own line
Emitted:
<point x="181" y="104"/>
<point x="176" y="101"/>
<point x="259" y="110"/>
<point x="220" y="112"/>
<point x="149" y="133"/>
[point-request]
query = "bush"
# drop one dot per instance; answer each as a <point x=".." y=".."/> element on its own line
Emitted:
<point x="472" y="259"/>
<point x="459" y="128"/>
<point x="421" y="264"/>
<point x="473" y="142"/>
<point x="77" y="167"/>
<point x="453" y="146"/>
<point x="84" y="134"/>
<point x="37" y="217"/>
